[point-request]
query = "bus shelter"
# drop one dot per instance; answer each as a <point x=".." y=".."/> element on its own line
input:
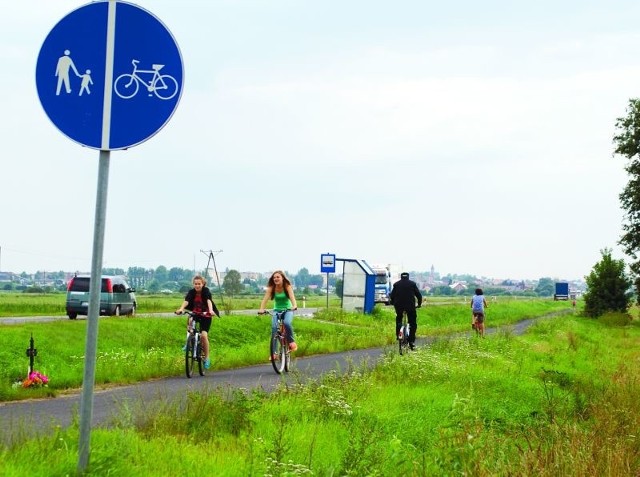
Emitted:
<point x="358" y="285"/>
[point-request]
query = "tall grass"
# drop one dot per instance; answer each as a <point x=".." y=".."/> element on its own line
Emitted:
<point x="560" y="400"/>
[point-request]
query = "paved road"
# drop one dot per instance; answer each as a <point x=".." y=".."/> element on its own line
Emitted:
<point x="31" y="417"/>
<point x="41" y="416"/>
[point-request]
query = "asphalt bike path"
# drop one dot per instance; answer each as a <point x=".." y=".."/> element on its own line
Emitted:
<point x="42" y="416"/>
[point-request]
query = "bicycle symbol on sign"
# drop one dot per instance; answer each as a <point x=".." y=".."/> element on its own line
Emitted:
<point x="163" y="86"/>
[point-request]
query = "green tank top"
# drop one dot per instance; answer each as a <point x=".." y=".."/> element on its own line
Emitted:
<point x="282" y="302"/>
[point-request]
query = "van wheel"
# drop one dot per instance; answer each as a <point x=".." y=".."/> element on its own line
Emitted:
<point x="133" y="310"/>
<point x="117" y="311"/>
<point x="72" y="315"/>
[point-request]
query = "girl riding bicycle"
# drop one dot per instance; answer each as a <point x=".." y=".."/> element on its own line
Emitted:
<point x="478" y="305"/>
<point x="200" y="300"/>
<point x="280" y="290"/>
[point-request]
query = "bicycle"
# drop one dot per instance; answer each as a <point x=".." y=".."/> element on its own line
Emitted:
<point x="163" y="86"/>
<point x="193" y="347"/>
<point x="403" y="335"/>
<point x="478" y="323"/>
<point x="279" y="352"/>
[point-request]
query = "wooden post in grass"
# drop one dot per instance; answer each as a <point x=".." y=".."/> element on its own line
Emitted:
<point x="31" y="353"/>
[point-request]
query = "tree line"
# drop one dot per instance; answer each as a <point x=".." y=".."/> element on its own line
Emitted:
<point x="178" y="279"/>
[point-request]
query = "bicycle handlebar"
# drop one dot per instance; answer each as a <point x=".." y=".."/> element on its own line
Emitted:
<point x="267" y="312"/>
<point x="194" y="314"/>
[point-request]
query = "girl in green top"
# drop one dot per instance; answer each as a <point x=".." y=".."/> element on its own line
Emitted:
<point x="280" y="290"/>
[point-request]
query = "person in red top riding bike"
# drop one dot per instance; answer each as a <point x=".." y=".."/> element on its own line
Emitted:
<point x="200" y="300"/>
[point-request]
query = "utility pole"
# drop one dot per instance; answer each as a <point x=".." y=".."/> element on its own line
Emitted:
<point x="211" y="254"/>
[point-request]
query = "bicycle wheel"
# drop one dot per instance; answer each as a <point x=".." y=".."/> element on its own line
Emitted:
<point x="200" y="359"/>
<point x="287" y="356"/>
<point x="189" y="361"/>
<point x="165" y="87"/>
<point x="126" y="86"/>
<point x="277" y="350"/>
<point x="403" y="343"/>
<point x="404" y="346"/>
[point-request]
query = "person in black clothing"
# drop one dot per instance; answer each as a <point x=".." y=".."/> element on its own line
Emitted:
<point x="403" y="297"/>
<point x="200" y="300"/>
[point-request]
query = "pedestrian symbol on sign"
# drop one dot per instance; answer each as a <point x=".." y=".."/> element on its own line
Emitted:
<point x="86" y="81"/>
<point x="65" y="63"/>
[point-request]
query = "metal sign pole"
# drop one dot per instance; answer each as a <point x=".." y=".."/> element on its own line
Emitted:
<point x="327" y="290"/>
<point x="110" y="118"/>
<point x="86" y="401"/>
<point x="328" y="265"/>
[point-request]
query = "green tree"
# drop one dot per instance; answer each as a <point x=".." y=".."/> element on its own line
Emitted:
<point x="232" y="283"/>
<point x="608" y="286"/>
<point x="177" y="274"/>
<point x="161" y="274"/>
<point x="442" y="290"/>
<point x="339" y="287"/>
<point x="302" y="278"/>
<point x="113" y="271"/>
<point x="627" y="144"/>
<point x="153" y="286"/>
<point x="546" y="287"/>
<point x="137" y="276"/>
<point x="317" y="280"/>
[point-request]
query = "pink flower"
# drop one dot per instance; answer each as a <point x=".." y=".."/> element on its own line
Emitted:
<point x="35" y="379"/>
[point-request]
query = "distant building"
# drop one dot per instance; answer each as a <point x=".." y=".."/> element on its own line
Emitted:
<point x="458" y="287"/>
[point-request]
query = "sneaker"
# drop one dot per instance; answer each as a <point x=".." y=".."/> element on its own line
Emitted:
<point x="207" y="363"/>
<point x="293" y="346"/>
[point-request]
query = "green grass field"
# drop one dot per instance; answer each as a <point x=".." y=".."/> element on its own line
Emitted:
<point x="53" y="304"/>
<point x="559" y="400"/>
<point x="61" y="344"/>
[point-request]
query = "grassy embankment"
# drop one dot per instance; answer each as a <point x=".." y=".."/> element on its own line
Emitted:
<point x="237" y="340"/>
<point x="559" y="400"/>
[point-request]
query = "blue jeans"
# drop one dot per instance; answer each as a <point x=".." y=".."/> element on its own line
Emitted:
<point x="288" y="320"/>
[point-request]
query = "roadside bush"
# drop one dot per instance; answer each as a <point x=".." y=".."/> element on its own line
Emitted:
<point x="616" y="319"/>
<point x="34" y="289"/>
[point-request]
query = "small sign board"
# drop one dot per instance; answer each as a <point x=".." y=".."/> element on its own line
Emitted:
<point x="328" y="263"/>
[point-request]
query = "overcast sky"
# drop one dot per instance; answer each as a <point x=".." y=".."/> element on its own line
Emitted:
<point x="472" y="136"/>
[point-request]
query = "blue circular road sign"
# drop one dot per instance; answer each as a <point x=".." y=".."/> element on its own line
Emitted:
<point x="109" y="75"/>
